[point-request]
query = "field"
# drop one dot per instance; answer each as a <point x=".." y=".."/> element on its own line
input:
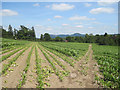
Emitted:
<point x="26" y="64"/>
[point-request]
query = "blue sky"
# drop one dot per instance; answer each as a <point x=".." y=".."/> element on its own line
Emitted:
<point x="61" y="17"/>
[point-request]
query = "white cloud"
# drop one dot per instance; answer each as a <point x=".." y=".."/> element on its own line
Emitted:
<point x="79" y="26"/>
<point x="90" y="27"/>
<point x="36" y="5"/>
<point x="65" y="24"/>
<point x="101" y="10"/>
<point x="62" y="7"/>
<point x="106" y="2"/>
<point x="87" y="5"/>
<point x="81" y="18"/>
<point x="57" y="16"/>
<point x="8" y="12"/>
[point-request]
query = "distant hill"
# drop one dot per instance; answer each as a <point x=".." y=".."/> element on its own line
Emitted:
<point x="65" y="35"/>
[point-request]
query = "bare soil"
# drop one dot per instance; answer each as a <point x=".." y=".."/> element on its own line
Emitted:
<point x="9" y="58"/>
<point x="68" y="67"/>
<point x="78" y="77"/>
<point x="81" y="76"/>
<point x="31" y="81"/>
<point x="11" y="80"/>
<point x="52" y="79"/>
<point x="54" y="62"/>
<point x="9" y="52"/>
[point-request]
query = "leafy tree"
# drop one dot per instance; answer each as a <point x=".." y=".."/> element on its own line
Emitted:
<point x="15" y="33"/>
<point x="68" y="39"/>
<point x="10" y="31"/>
<point x="33" y="33"/>
<point x="29" y="34"/>
<point x="26" y="33"/>
<point x="58" y="39"/>
<point x="1" y="31"/>
<point x="87" y="38"/>
<point x="81" y="39"/>
<point x="105" y="34"/>
<point x="41" y="37"/>
<point x="47" y="37"/>
<point x="77" y="39"/>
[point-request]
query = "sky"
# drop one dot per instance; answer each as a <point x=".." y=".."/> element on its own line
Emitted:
<point x="62" y="17"/>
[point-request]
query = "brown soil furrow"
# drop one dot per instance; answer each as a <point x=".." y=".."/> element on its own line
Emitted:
<point x="44" y="61"/>
<point x="81" y="76"/>
<point x="31" y="73"/>
<point x="8" y="59"/>
<point x="53" y="61"/>
<point x="53" y="80"/>
<point x="11" y="80"/>
<point x="9" y="52"/>
<point x="74" y="79"/>
<point x="68" y="67"/>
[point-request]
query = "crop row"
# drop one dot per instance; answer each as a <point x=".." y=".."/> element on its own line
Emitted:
<point x="10" y="43"/>
<point x="58" y="62"/>
<point x="109" y="69"/>
<point x="39" y="71"/>
<point x="43" y="72"/>
<point x="66" y="72"/>
<point x="8" y="50"/>
<point x="53" y="66"/>
<point x="24" y="74"/>
<point x="11" y="48"/>
<point x="10" y="54"/>
<point x="75" y="50"/>
<point x="65" y="58"/>
<point x="66" y="51"/>
<point x="108" y="66"/>
<point x="12" y="61"/>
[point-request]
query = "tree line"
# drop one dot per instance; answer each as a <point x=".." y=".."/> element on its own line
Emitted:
<point x="100" y="39"/>
<point x="23" y="33"/>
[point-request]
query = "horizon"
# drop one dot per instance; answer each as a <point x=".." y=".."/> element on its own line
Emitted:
<point x="72" y="33"/>
<point x="62" y="18"/>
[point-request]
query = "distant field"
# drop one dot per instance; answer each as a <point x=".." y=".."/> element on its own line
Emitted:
<point x="27" y="64"/>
